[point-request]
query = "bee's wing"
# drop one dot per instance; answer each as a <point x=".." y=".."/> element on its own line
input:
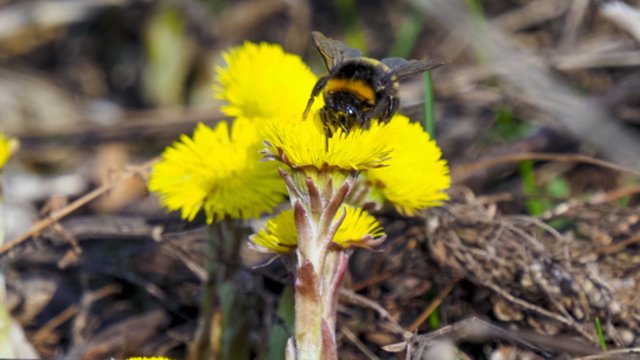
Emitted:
<point x="402" y="68"/>
<point x="333" y="51"/>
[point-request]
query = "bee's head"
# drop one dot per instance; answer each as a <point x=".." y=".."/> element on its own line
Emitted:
<point x="342" y="110"/>
<point x="348" y="112"/>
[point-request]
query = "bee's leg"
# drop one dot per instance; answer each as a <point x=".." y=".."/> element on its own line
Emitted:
<point x="327" y="135"/>
<point x="326" y="138"/>
<point x="365" y="122"/>
<point x="317" y="88"/>
<point x="327" y="129"/>
<point x="363" y="119"/>
<point x="394" y="103"/>
<point x="386" y="108"/>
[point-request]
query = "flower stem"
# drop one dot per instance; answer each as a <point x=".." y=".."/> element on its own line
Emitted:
<point x="218" y="336"/>
<point x="320" y="268"/>
<point x="200" y="346"/>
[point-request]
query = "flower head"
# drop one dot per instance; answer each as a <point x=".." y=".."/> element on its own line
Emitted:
<point x="416" y="177"/>
<point x="359" y="228"/>
<point x="218" y="170"/>
<point x="263" y="81"/>
<point x="7" y="146"/>
<point x="303" y="143"/>
<point x="278" y="235"/>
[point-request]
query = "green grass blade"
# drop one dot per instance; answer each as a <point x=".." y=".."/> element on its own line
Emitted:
<point x="603" y="344"/>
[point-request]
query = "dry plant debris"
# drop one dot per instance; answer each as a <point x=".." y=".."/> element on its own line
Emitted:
<point x="503" y="284"/>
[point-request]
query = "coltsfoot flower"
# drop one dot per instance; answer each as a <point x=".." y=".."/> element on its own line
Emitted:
<point x="277" y="92"/>
<point x="398" y="158"/>
<point x="303" y="144"/>
<point x="359" y="229"/>
<point x="218" y="170"/>
<point x="401" y="162"/>
<point x="263" y="81"/>
<point x="278" y="235"/>
<point x="416" y="176"/>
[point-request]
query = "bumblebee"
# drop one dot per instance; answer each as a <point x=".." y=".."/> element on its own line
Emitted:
<point x="358" y="89"/>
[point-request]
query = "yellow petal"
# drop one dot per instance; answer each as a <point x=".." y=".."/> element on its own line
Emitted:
<point x="7" y="147"/>
<point x="416" y="176"/>
<point x="303" y="143"/>
<point x="263" y="81"/>
<point x="359" y="228"/>
<point x="218" y="171"/>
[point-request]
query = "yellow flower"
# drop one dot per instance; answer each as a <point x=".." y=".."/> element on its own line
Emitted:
<point x="7" y="147"/>
<point x="416" y="176"/>
<point x="219" y="171"/>
<point x="404" y="165"/>
<point x="263" y="81"/>
<point x="278" y="235"/>
<point x="302" y="143"/>
<point x="359" y="228"/>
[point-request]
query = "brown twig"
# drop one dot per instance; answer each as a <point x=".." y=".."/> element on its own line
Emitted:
<point x="371" y="281"/>
<point x="354" y="339"/>
<point x="614" y="195"/>
<point x="616" y="247"/>
<point x="57" y="215"/>
<point x="71" y="311"/>
<point x="462" y="171"/>
<point x="631" y="353"/>
<point x="544" y="312"/>
<point x="574" y="18"/>
<point x="433" y="305"/>
<point x="360" y="300"/>
<point x="596" y="199"/>
<point x="158" y="123"/>
<point x="478" y="330"/>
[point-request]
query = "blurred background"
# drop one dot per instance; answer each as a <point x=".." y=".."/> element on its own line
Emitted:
<point x="90" y="87"/>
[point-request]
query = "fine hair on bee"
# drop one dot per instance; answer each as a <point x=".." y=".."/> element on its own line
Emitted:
<point x="358" y="89"/>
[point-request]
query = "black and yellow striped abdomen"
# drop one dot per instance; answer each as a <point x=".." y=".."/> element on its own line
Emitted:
<point x="361" y="89"/>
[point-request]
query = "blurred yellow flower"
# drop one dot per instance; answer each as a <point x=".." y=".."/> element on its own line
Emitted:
<point x="359" y="228"/>
<point x="278" y="235"/>
<point x="302" y="143"/>
<point x="220" y="171"/>
<point x="416" y="177"/>
<point x="263" y="81"/>
<point x="7" y="146"/>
